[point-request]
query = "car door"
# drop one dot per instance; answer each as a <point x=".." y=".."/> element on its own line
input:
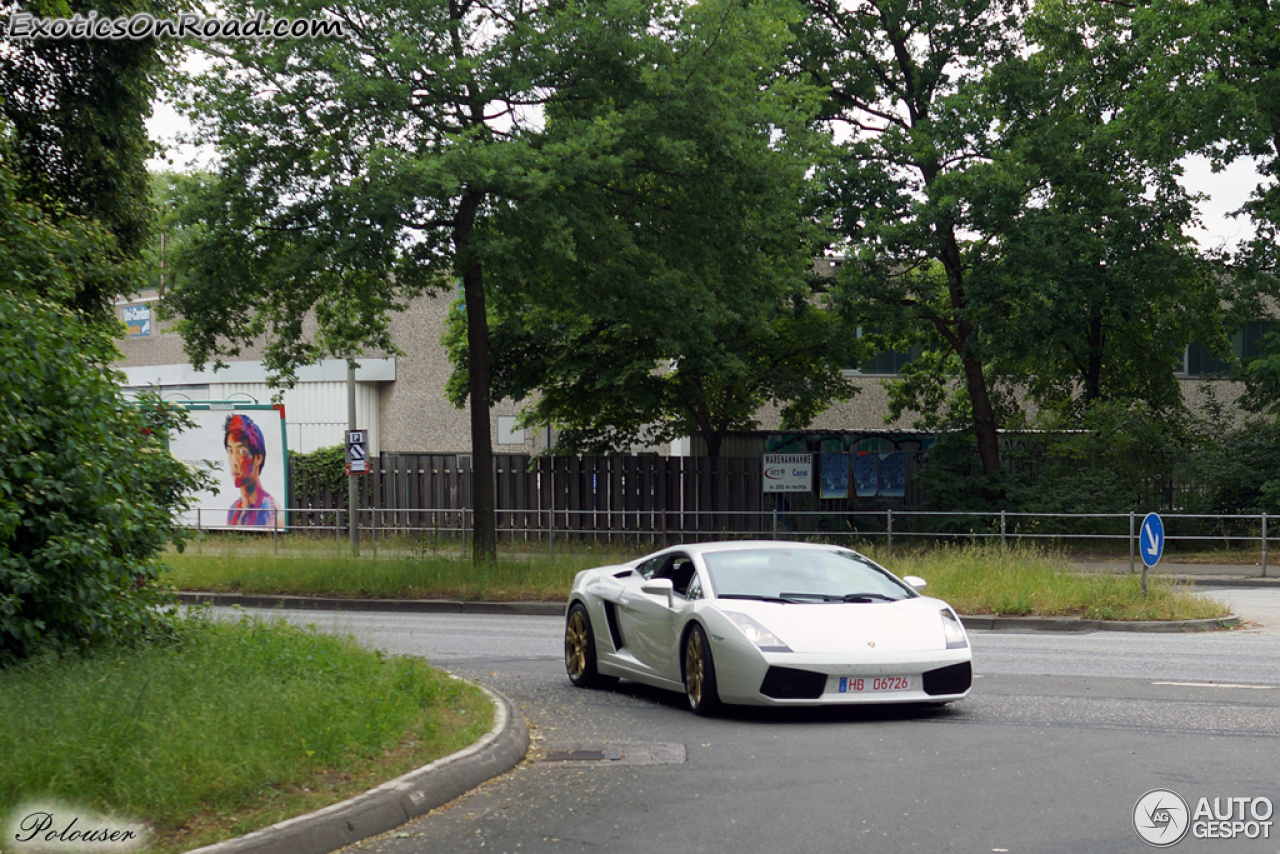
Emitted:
<point x="650" y="623"/>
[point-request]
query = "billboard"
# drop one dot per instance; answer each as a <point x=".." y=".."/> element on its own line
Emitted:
<point x="246" y="445"/>
<point x="137" y="319"/>
<point x="788" y="472"/>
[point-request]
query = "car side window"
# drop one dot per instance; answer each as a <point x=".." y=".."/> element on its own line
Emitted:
<point x="649" y="567"/>
<point x="695" y="589"/>
<point x="681" y="574"/>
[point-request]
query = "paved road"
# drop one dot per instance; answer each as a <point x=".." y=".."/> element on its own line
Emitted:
<point x="1061" y="737"/>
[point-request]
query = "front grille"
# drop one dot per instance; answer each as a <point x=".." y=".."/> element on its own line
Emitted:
<point x="788" y="683"/>
<point x="952" y="679"/>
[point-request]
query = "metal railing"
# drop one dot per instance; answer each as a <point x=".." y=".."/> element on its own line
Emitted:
<point x="659" y="528"/>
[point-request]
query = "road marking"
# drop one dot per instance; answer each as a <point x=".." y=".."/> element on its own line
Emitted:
<point x="1215" y="685"/>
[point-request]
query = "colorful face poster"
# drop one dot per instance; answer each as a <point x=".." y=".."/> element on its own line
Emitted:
<point x="248" y="450"/>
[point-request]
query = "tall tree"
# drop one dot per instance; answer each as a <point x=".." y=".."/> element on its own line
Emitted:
<point x="77" y="109"/>
<point x="660" y="287"/>
<point x="1209" y="82"/>
<point x="1104" y="288"/>
<point x="360" y="172"/>
<point x="900" y="77"/>
<point x="88" y="493"/>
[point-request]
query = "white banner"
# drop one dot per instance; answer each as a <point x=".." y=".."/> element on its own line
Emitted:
<point x="788" y="472"/>
<point x="247" y="447"/>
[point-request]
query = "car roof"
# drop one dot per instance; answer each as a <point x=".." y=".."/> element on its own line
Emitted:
<point x="741" y="545"/>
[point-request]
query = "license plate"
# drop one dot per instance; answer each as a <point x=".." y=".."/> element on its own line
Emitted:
<point x="874" y="684"/>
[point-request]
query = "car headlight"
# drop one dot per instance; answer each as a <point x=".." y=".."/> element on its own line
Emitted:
<point x="952" y="630"/>
<point x="766" y="640"/>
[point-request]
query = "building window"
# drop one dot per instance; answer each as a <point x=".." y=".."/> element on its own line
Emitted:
<point x="886" y="361"/>
<point x="508" y="432"/>
<point x="1246" y="343"/>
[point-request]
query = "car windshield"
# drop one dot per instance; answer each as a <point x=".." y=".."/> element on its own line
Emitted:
<point x="801" y="575"/>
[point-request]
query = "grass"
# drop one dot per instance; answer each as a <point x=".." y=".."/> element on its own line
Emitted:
<point x="976" y="579"/>
<point x="226" y="728"/>
<point x="1026" y="581"/>
<point x="389" y="576"/>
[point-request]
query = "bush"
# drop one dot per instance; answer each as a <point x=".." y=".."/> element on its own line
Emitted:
<point x="312" y="473"/>
<point x="88" y="491"/>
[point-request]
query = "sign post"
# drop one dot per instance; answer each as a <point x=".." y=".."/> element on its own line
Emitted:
<point x="357" y="452"/>
<point x="1150" y="544"/>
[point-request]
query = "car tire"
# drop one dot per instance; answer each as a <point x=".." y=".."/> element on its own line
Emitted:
<point x="700" y="673"/>
<point x="580" y="650"/>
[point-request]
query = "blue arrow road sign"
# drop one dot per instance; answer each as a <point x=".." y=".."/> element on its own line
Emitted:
<point x="1151" y="539"/>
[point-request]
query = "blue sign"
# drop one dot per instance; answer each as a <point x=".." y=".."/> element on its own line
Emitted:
<point x="1151" y="539"/>
<point x="138" y="320"/>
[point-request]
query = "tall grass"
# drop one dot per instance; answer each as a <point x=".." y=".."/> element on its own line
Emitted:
<point x="517" y="577"/>
<point x="976" y="579"/>
<point x="224" y="728"/>
<point x="1023" y="581"/>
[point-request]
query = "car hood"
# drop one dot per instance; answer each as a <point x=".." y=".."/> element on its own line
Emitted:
<point x="909" y="625"/>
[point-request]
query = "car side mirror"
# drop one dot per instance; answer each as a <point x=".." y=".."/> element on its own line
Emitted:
<point x="659" y="587"/>
<point x="915" y="582"/>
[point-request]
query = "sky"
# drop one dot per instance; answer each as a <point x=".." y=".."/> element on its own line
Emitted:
<point x="1227" y="191"/>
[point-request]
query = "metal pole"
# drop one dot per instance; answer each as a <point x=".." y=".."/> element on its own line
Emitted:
<point x="888" y="529"/>
<point x="775" y="521"/>
<point x="352" y="497"/>
<point x="1002" y="530"/>
<point x="1264" y="545"/>
<point x="1131" y="542"/>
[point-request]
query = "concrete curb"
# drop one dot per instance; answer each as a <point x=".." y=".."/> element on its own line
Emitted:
<point x="1077" y="624"/>
<point x="553" y="609"/>
<point x="395" y="802"/>
<point x="333" y="603"/>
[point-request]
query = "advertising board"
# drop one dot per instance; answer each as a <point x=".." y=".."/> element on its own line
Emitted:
<point x="788" y="472"/>
<point x="246" y="445"/>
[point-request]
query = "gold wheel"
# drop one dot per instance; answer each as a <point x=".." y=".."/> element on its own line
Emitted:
<point x="694" y="669"/>
<point x="700" y="673"/>
<point x="576" y="638"/>
<point x="580" y="650"/>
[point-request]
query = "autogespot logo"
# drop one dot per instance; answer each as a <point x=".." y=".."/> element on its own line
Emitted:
<point x="1161" y="818"/>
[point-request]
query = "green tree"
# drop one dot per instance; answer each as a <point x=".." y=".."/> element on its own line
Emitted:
<point x="179" y="226"/>
<point x="360" y="172"/>
<point x="88" y="491"/>
<point x="660" y="287"/>
<point x="1208" y="82"/>
<point x="1010" y="215"/>
<point x="901" y="78"/>
<point x="76" y="108"/>
<point x="1103" y="289"/>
